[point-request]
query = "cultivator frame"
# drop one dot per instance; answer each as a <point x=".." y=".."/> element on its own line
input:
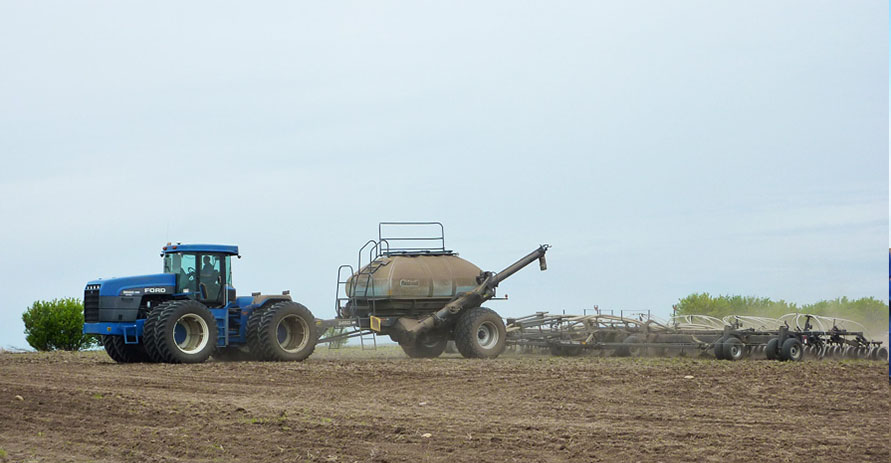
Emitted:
<point x="793" y="336"/>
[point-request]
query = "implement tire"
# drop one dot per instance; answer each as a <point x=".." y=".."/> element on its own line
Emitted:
<point x="733" y="348"/>
<point x="791" y="350"/>
<point x="425" y="347"/>
<point x="186" y="332"/>
<point x="772" y="349"/>
<point x="121" y="352"/>
<point x="287" y="332"/>
<point x="719" y="349"/>
<point x="480" y="333"/>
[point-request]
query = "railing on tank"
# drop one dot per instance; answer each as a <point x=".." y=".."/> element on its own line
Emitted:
<point x="416" y="237"/>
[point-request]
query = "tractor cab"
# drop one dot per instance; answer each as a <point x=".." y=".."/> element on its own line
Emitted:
<point x="203" y="271"/>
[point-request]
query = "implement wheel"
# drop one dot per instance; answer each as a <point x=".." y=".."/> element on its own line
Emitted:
<point x="185" y="333"/>
<point x="791" y="350"/>
<point x="287" y="332"/>
<point x="480" y="333"/>
<point x="733" y="348"/>
<point x="772" y="349"/>
<point x="719" y="349"/>
<point x="425" y="347"/>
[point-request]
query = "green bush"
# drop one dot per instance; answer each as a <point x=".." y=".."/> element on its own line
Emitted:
<point x="56" y="325"/>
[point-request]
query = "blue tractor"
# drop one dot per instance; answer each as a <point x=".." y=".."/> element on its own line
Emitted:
<point x="191" y="311"/>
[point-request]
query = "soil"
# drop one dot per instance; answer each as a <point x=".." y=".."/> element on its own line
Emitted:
<point x="347" y="405"/>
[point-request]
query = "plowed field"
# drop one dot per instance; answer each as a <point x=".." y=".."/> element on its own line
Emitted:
<point x="344" y="406"/>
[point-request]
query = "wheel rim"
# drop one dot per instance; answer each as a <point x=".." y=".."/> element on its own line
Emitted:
<point x="487" y="335"/>
<point x="735" y="351"/>
<point x="794" y="352"/>
<point x="190" y="333"/>
<point x="291" y="333"/>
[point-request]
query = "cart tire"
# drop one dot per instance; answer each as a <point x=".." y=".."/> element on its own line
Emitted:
<point x="425" y="347"/>
<point x="791" y="350"/>
<point x="733" y="348"/>
<point x="771" y="350"/>
<point x="480" y="333"/>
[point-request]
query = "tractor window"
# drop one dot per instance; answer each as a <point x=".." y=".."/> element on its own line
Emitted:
<point x="183" y="266"/>
<point x="211" y="277"/>
<point x="228" y="270"/>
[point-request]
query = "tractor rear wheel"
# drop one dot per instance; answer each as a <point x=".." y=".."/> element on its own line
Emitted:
<point x="287" y="332"/>
<point x="186" y="332"/>
<point x="425" y="347"/>
<point x="121" y="352"/>
<point x="791" y="350"/>
<point x="480" y="333"/>
<point x="733" y="348"/>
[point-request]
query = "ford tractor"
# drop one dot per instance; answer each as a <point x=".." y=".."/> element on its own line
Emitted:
<point x="191" y="311"/>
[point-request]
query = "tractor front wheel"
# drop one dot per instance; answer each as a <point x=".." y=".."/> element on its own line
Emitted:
<point x="186" y="332"/>
<point x="121" y="352"/>
<point x="480" y="333"/>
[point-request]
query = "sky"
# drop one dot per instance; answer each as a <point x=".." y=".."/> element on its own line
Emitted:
<point x="661" y="148"/>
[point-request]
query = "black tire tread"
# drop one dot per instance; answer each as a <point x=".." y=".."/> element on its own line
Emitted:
<point x="165" y="317"/>
<point x="111" y="349"/>
<point x="465" y="334"/>
<point x="149" y="340"/>
<point x="266" y="335"/>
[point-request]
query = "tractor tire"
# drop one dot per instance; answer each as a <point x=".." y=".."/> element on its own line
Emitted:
<point x="121" y="352"/>
<point x="186" y="332"/>
<point x="719" y="349"/>
<point x="287" y="332"/>
<point x="791" y="350"/>
<point x="149" y="341"/>
<point x="480" y="333"/>
<point x="252" y="333"/>
<point x="733" y="348"/>
<point x="771" y="350"/>
<point x="111" y="349"/>
<point x="425" y="347"/>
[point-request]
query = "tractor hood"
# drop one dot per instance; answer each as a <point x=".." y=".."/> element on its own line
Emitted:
<point x="161" y="283"/>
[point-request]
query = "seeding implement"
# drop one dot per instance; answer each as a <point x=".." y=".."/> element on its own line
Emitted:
<point x="791" y="337"/>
